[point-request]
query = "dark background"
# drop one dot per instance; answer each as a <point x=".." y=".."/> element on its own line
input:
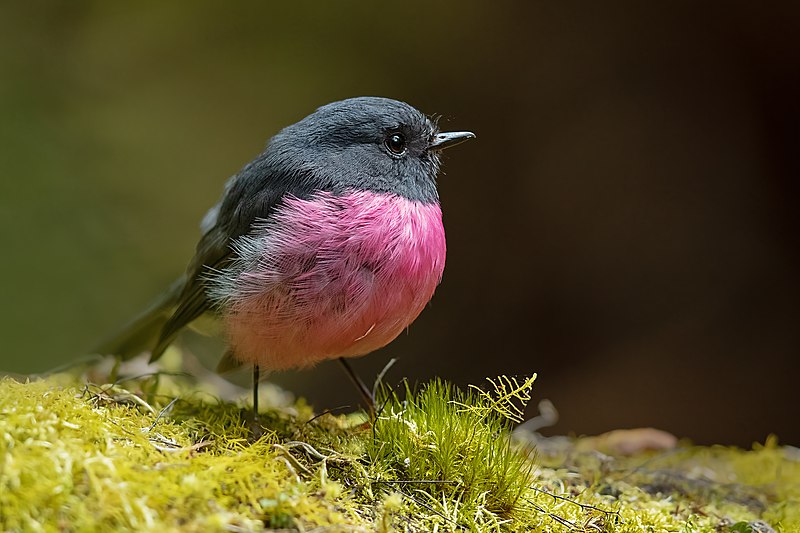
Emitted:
<point x="625" y="225"/>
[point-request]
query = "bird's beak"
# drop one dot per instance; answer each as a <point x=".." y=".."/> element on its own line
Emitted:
<point x="448" y="139"/>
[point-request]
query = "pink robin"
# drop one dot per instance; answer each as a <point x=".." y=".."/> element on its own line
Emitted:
<point x="327" y="245"/>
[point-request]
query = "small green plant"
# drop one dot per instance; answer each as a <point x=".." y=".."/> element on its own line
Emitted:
<point x="450" y="451"/>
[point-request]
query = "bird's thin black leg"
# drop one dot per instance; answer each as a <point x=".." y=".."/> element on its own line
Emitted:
<point x="256" y="378"/>
<point x="256" y="424"/>
<point x="366" y="394"/>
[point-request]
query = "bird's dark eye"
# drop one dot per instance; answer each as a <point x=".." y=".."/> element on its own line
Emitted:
<point x="396" y="143"/>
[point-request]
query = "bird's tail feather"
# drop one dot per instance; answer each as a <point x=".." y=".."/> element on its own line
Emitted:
<point x="142" y="333"/>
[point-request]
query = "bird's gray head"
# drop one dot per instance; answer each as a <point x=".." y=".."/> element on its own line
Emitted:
<point x="365" y="143"/>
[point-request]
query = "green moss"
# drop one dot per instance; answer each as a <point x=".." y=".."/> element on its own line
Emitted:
<point x="95" y="459"/>
<point x="450" y="451"/>
<point x="157" y="454"/>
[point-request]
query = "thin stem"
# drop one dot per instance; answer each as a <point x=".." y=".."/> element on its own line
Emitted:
<point x="366" y="394"/>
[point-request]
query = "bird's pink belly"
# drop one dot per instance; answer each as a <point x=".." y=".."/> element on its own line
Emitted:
<point x="336" y="277"/>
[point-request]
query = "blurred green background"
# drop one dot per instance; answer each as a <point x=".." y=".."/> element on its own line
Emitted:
<point x="626" y="224"/>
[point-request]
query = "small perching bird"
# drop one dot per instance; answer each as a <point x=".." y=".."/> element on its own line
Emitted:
<point x="327" y="245"/>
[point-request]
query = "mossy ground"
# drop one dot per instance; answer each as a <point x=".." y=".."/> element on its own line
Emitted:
<point x="156" y="454"/>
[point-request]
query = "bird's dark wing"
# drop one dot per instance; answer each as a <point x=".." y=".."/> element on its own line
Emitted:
<point x="249" y="196"/>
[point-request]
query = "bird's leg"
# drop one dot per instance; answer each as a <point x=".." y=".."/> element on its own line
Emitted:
<point x="366" y="394"/>
<point x="256" y="424"/>
<point x="255" y="391"/>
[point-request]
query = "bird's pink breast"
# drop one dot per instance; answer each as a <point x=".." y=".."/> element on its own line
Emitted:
<point x="334" y="276"/>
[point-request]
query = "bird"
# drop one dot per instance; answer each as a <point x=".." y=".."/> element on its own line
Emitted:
<point x="325" y="246"/>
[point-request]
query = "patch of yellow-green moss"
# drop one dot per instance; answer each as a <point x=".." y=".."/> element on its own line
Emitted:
<point x="146" y="456"/>
<point x="94" y="459"/>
